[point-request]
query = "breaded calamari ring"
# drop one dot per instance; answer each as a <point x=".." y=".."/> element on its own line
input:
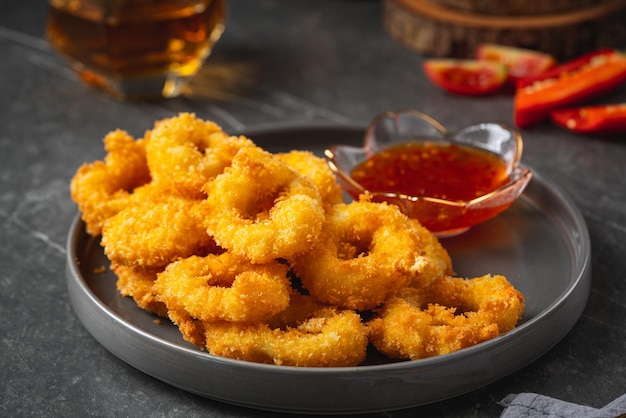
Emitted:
<point x="138" y="284"/>
<point x="488" y="298"/>
<point x="327" y="338"/>
<point x="301" y="307"/>
<point x="316" y="168"/>
<point x="224" y="287"/>
<point x="366" y="252"/>
<point x="101" y="189"/>
<point x="152" y="234"/>
<point x="449" y="315"/>
<point x="438" y="259"/>
<point x="185" y="152"/>
<point x="191" y="329"/>
<point x="262" y="209"/>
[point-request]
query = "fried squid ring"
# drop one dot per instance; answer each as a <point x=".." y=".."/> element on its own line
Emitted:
<point x="326" y="338"/>
<point x="224" y="287"/>
<point x="191" y="329"/>
<point x="185" y="152"/>
<point x="152" y="234"/>
<point x="366" y="252"/>
<point x="138" y="284"/>
<point x="101" y="189"/>
<point x="448" y="315"/>
<point x="262" y="209"/>
<point x="438" y="259"/>
<point x="316" y="168"/>
<point x="490" y="299"/>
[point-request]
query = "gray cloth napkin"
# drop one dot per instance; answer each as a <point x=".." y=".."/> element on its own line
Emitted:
<point x="534" y="405"/>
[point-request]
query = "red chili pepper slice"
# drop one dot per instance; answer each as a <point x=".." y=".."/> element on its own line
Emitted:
<point x="592" y="119"/>
<point x="520" y="62"/>
<point x="574" y="82"/>
<point x="568" y="66"/>
<point x="466" y="77"/>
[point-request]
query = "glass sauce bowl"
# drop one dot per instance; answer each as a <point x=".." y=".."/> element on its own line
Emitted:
<point x="441" y="216"/>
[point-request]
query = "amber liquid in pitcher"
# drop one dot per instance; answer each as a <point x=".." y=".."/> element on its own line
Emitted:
<point x="135" y="39"/>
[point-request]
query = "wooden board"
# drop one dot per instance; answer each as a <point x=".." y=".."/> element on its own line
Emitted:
<point x="516" y="7"/>
<point x="445" y="32"/>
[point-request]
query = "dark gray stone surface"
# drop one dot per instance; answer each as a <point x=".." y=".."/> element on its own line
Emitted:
<point x="327" y="61"/>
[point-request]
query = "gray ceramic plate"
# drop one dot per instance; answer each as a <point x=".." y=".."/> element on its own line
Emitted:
<point x="540" y="244"/>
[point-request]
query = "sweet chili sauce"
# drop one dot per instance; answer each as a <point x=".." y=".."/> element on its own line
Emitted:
<point x="440" y="170"/>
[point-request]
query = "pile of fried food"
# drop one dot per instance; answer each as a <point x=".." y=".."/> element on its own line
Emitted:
<point x="257" y="256"/>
